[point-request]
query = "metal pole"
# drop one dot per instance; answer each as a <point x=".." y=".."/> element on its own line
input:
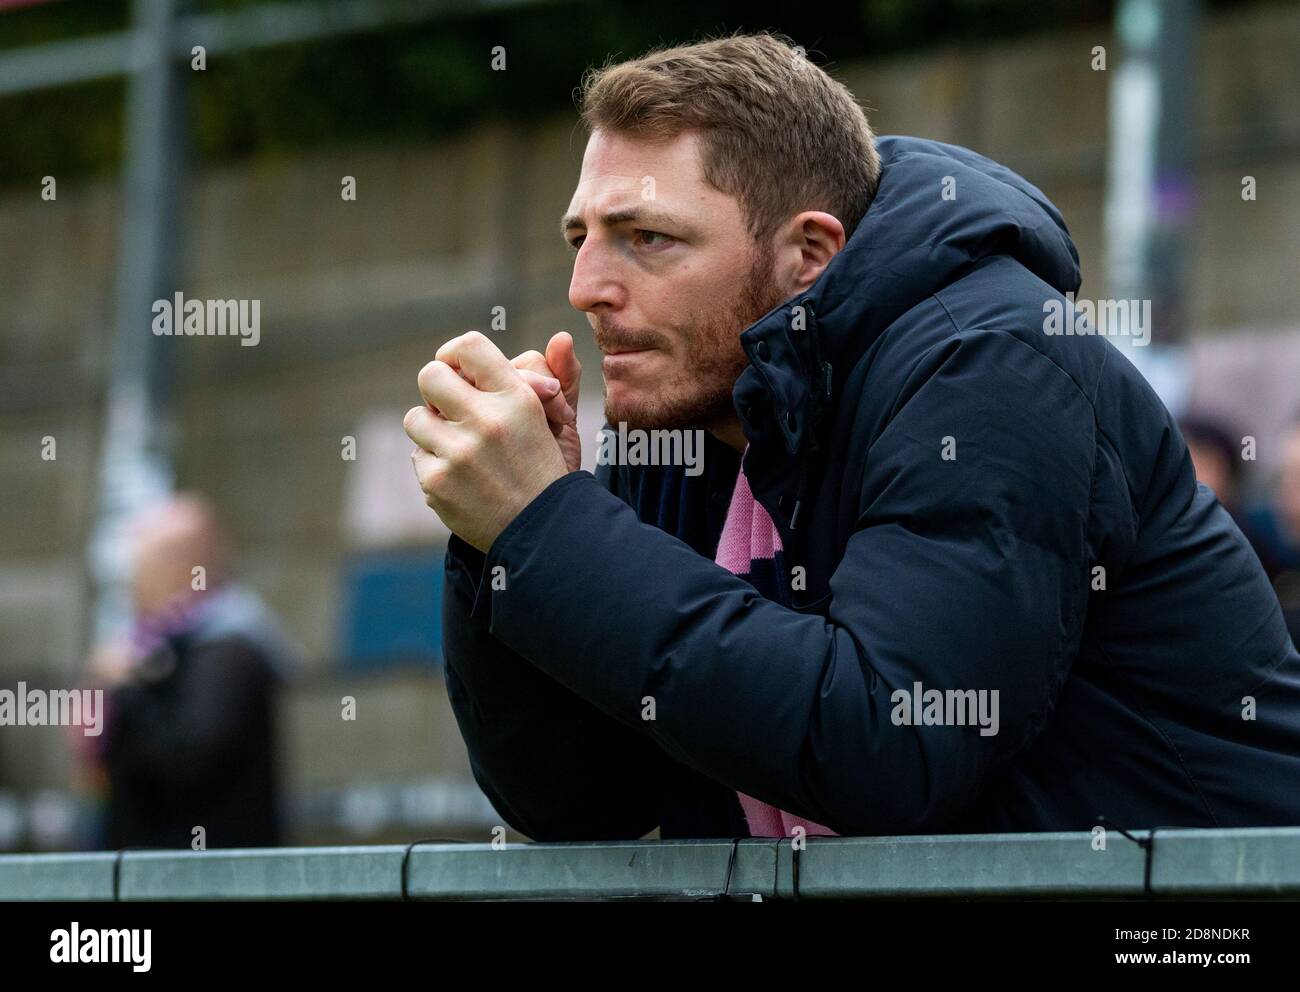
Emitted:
<point x="1148" y="185"/>
<point x="52" y="64"/>
<point x="135" y="463"/>
<point x="1174" y="192"/>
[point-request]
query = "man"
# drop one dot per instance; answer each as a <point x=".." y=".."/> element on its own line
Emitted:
<point x="1216" y="459"/>
<point x="190" y="736"/>
<point x="1001" y="600"/>
<point x="1274" y="525"/>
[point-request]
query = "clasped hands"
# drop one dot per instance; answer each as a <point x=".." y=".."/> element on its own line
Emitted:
<point x="493" y="432"/>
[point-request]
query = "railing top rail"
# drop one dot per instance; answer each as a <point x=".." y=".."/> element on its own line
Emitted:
<point x="1247" y="863"/>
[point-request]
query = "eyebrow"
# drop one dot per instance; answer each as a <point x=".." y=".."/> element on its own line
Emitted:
<point x="655" y="217"/>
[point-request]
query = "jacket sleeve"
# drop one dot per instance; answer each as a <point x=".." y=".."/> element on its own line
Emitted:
<point x="965" y="571"/>
<point x="555" y="767"/>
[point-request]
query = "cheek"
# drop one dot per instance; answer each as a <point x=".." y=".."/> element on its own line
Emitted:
<point x="706" y="284"/>
<point x="689" y="305"/>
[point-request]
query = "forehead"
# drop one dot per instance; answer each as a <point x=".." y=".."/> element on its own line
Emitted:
<point x="617" y="167"/>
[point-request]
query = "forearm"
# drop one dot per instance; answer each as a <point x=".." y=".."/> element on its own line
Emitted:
<point x="552" y="765"/>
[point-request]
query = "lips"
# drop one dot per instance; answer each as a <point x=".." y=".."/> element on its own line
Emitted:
<point x="616" y="364"/>
<point x="621" y="347"/>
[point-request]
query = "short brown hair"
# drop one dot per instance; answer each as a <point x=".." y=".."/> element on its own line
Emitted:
<point x="777" y="132"/>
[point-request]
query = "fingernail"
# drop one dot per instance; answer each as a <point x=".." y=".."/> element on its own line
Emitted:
<point x="552" y="385"/>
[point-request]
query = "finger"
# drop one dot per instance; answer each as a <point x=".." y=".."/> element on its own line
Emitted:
<point x="444" y="389"/>
<point x="482" y="360"/>
<point x="547" y="388"/>
<point x="428" y="472"/>
<point x="431" y="432"/>
<point x="534" y="361"/>
<point x="559" y="411"/>
<point x="532" y="366"/>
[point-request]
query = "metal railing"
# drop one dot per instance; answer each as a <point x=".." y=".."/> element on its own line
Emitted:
<point x="1216" y="864"/>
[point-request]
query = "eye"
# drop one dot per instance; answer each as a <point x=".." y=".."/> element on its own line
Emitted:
<point x="576" y="242"/>
<point x="646" y="235"/>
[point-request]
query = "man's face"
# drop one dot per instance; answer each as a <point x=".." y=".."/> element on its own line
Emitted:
<point x="668" y="277"/>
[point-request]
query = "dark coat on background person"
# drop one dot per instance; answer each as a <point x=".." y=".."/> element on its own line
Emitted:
<point x="1162" y="690"/>
<point x="190" y="743"/>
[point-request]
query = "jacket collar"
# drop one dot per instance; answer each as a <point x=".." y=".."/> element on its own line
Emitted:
<point x="913" y="240"/>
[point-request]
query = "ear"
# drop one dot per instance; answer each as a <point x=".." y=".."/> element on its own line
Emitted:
<point x="809" y="241"/>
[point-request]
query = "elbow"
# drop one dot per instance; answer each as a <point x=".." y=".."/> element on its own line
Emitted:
<point x="552" y="821"/>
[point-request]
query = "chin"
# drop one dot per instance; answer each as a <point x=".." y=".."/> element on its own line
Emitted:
<point x="638" y="410"/>
<point x="643" y="416"/>
<point x="654" y="411"/>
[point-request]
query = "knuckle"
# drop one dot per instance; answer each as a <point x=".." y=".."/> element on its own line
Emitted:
<point x="520" y="391"/>
<point x="448" y="346"/>
<point x="456" y="455"/>
<point x="425" y="379"/>
<point x="430" y="481"/>
<point x="493" y="429"/>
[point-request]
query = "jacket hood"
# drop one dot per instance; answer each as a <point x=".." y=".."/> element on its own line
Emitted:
<point x="939" y="209"/>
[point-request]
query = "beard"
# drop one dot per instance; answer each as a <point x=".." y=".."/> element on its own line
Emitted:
<point x="700" y="395"/>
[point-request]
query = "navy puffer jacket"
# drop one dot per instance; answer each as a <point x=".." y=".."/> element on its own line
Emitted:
<point x="976" y="505"/>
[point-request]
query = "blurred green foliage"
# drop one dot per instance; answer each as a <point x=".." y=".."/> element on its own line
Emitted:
<point x="416" y="82"/>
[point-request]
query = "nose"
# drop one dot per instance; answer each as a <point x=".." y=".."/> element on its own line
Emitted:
<point x="595" y="281"/>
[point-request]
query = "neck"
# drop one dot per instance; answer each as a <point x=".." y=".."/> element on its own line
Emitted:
<point x="729" y="432"/>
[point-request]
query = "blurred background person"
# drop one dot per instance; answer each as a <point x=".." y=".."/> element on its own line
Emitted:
<point x="190" y="733"/>
<point x="1216" y="457"/>
<point x="1270" y="518"/>
<point x="1275" y="522"/>
<point x="1276" y="517"/>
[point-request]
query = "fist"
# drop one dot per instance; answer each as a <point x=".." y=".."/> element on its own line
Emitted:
<point x="485" y="448"/>
<point x="561" y="365"/>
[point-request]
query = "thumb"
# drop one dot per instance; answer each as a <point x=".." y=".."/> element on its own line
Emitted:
<point x="564" y="364"/>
